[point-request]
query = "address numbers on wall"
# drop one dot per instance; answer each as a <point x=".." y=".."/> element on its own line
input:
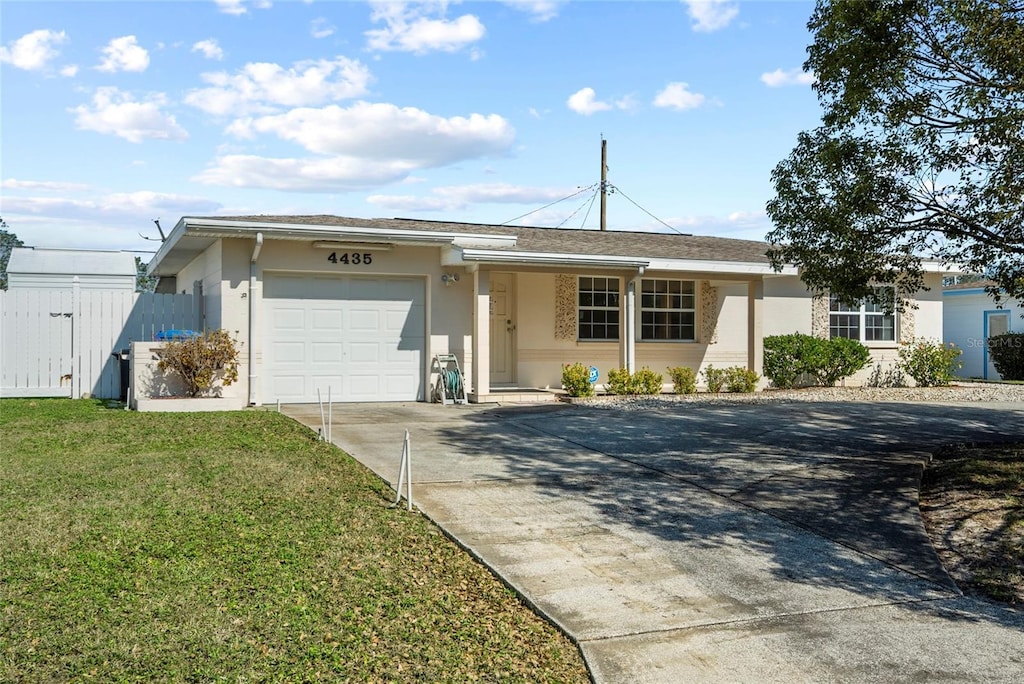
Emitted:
<point x="354" y="258"/>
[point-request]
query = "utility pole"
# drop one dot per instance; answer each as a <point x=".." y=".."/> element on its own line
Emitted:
<point x="604" y="184"/>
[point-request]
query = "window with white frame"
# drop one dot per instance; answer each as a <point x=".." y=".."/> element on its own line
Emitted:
<point x="668" y="310"/>
<point x="598" y="309"/>
<point x="867" y="322"/>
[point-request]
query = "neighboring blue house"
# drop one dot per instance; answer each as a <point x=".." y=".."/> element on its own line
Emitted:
<point x="969" y="317"/>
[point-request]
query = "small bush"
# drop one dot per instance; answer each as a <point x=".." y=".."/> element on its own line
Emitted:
<point x="786" y="358"/>
<point x="576" y="380"/>
<point x="645" y="381"/>
<point x="886" y="377"/>
<point x="684" y="380"/>
<point x="840" y="358"/>
<point x="618" y="381"/>
<point x="202" y="361"/>
<point x="930" y="362"/>
<point x="1007" y="352"/>
<point x="740" y="379"/>
<point x="715" y="378"/>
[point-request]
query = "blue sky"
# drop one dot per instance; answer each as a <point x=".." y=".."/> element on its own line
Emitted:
<point x="118" y="113"/>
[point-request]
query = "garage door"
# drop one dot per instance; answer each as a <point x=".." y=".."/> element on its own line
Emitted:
<point x="362" y="337"/>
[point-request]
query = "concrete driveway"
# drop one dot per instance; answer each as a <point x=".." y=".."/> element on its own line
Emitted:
<point x="710" y="543"/>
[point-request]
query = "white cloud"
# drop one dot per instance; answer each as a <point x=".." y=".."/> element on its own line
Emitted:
<point x="70" y="71"/>
<point x="384" y="131"/>
<point x="779" y="78"/>
<point x="33" y="51"/>
<point x="124" y="54"/>
<point x="457" y="197"/>
<point x="584" y="102"/>
<point x="238" y="7"/>
<point x="678" y="96"/>
<point x="56" y="186"/>
<point x="302" y="175"/>
<point x="321" y="28"/>
<point x="359" y="147"/>
<point x="421" y="28"/>
<point x="711" y="15"/>
<point x="110" y="205"/>
<point x="262" y="87"/>
<point x="111" y="221"/>
<point x="114" y="112"/>
<point x="209" y="48"/>
<point x="539" y="10"/>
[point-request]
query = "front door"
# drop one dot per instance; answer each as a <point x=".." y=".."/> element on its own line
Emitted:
<point x="503" y="327"/>
<point x="996" y="323"/>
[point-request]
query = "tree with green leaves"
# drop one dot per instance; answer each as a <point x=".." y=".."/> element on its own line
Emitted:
<point x="920" y="153"/>
<point x="8" y="241"/>
<point x="143" y="281"/>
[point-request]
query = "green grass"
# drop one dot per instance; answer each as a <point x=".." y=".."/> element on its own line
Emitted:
<point x="140" y="547"/>
<point x="994" y="476"/>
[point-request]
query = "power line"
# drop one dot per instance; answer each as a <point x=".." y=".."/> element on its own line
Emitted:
<point x="578" y="209"/>
<point x="672" y="228"/>
<point x="578" y="192"/>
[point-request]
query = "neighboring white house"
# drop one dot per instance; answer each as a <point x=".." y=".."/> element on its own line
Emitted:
<point x="362" y="306"/>
<point x="970" y="316"/>
<point x="37" y="268"/>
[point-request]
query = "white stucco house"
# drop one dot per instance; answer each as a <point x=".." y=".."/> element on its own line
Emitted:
<point x="40" y="268"/>
<point x="362" y="306"/>
<point x="970" y="316"/>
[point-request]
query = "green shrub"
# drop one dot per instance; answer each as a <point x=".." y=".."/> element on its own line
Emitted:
<point x="714" y="378"/>
<point x="202" y="361"/>
<point x="684" y="380"/>
<point x="930" y="362"/>
<point x="1007" y="352"/>
<point x="645" y="381"/>
<point x="576" y="380"/>
<point x="740" y="379"/>
<point x="840" y="358"/>
<point x="785" y="358"/>
<point x="618" y="381"/>
<point x="788" y="357"/>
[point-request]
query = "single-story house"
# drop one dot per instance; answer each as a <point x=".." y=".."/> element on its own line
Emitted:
<point x="40" y="268"/>
<point x="970" y="316"/>
<point x="361" y="307"/>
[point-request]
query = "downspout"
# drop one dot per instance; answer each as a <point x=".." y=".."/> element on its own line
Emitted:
<point x="252" y="311"/>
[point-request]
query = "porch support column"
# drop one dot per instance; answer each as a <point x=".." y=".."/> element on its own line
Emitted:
<point x="629" y="341"/>
<point x="755" y="325"/>
<point x="481" y="373"/>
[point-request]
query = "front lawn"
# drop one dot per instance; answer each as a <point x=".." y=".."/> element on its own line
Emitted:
<point x="234" y="547"/>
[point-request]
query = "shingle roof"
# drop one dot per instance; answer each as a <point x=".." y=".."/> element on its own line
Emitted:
<point x="557" y="240"/>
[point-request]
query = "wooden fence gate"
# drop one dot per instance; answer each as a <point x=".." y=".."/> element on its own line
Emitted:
<point x="64" y="343"/>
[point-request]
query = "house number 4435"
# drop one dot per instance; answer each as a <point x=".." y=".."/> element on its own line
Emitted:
<point x="355" y="258"/>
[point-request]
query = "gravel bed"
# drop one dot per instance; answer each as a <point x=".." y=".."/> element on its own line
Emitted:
<point x="958" y="393"/>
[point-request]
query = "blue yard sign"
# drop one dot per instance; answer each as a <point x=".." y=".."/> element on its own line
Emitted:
<point x="594" y="374"/>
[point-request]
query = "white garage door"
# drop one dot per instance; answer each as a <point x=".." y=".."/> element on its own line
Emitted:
<point x="362" y="337"/>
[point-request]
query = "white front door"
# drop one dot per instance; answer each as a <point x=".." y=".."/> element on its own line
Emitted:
<point x="503" y="327"/>
<point x="996" y="323"/>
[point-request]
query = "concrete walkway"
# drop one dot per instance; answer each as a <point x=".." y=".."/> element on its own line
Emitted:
<point x="710" y="543"/>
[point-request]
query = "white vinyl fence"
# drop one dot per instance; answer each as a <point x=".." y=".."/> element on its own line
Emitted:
<point x="60" y="343"/>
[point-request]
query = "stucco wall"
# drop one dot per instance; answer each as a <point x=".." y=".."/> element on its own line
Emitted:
<point x="787" y="306"/>
<point x="541" y="352"/>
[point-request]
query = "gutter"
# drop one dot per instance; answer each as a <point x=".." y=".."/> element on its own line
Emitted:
<point x="252" y="310"/>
